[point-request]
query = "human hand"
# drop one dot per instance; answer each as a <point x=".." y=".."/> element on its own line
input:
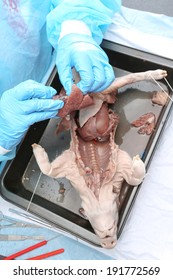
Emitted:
<point x="23" y="105"/>
<point x="89" y="60"/>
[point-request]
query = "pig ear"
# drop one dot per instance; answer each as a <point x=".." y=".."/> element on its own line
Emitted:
<point x="117" y="192"/>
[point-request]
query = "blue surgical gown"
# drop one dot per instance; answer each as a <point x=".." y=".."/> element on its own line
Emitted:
<point x="29" y="31"/>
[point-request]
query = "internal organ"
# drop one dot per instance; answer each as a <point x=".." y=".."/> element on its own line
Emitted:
<point x="75" y="101"/>
<point x="160" y="98"/>
<point x="146" y="123"/>
<point x="99" y="126"/>
<point x="94" y="164"/>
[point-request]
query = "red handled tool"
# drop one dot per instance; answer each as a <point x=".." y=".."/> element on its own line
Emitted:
<point x="47" y="255"/>
<point x="33" y="247"/>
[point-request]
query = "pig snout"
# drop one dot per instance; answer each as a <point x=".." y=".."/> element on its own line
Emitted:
<point x="108" y="242"/>
<point x="108" y="238"/>
<point x="106" y="229"/>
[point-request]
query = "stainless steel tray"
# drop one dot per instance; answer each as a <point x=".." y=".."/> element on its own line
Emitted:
<point x="55" y="200"/>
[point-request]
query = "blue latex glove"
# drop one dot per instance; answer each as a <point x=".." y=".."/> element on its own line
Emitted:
<point x="90" y="61"/>
<point x="23" y="105"/>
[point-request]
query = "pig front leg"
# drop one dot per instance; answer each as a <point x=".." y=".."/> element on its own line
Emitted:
<point x="135" y="77"/>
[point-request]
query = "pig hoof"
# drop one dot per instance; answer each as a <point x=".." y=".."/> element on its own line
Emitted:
<point x="37" y="149"/>
<point x="39" y="153"/>
<point x="36" y="146"/>
<point x="158" y="74"/>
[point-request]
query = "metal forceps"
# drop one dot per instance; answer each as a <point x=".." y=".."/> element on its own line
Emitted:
<point x="10" y="223"/>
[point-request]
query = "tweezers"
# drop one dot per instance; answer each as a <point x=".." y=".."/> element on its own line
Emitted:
<point x="18" y="224"/>
<point x="11" y="237"/>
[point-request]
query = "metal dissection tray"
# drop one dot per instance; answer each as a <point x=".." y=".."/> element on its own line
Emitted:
<point x="55" y="200"/>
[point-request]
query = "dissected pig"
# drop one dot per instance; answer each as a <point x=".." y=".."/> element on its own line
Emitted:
<point x="94" y="164"/>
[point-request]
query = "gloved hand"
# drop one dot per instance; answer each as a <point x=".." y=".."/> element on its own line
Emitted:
<point x="20" y="107"/>
<point x="90" y="61"/>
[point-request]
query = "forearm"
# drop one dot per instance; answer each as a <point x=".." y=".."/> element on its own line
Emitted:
<point x="95" y="14"/>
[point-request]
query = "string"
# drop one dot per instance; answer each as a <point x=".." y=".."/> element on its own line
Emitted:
<point x="34" y="191"/>
<point x="162" y="87"/>
<point x="27" y="209"/>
